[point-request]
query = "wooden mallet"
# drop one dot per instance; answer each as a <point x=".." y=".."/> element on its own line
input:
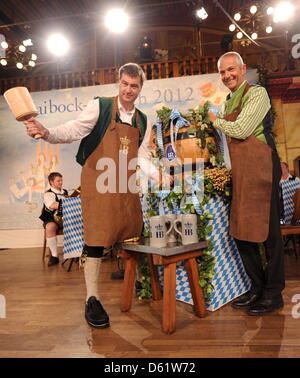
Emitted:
<point x="21" y="104"/>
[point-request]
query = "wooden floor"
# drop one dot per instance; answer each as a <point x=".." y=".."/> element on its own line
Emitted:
<point x="45" y="318"/>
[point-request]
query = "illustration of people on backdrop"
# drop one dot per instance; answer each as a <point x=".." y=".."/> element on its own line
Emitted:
<point x="29" y="186"/>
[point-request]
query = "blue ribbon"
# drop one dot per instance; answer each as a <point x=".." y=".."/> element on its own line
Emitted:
<point x="159" y="136"/>
<point x="196" y="190"/>
<point x="175" y="207"/>
<point x="180" y="122"/>
<point x="194" y="195"/>
<point x="162" y="195"/>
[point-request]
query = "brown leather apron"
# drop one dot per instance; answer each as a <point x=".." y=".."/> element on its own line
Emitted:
<point x="111" y="217"/>
<point x="251" y="162"/>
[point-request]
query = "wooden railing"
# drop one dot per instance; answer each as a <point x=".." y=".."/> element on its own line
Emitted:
<point x="274" y="61"/>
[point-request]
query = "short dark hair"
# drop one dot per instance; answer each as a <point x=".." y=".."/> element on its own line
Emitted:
<point x="52" y="176"/>
<point x="133" y="70"/>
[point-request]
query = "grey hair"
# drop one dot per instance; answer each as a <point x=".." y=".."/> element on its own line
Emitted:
<point x="234" y="54"/>
<point x="133" y="70"/>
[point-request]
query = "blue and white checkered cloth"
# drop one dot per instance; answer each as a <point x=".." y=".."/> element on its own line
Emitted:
<point x="289" y="188"/>
<point x="73" y="227"/>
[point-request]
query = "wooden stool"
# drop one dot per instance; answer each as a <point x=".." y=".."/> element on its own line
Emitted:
<point x="168" y="257"/>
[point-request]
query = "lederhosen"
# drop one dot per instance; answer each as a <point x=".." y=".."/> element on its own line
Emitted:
<point x="255" y="209"/>
<point x="111" y="217"/>
<point x="47" y="215"/>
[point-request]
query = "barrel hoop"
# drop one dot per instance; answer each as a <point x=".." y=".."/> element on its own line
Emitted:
<point x="183" y="136"/>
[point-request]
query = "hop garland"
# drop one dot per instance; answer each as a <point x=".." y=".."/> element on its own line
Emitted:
<point x="220" y="178"/>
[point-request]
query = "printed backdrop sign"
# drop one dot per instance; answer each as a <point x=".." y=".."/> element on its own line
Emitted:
<point x="26" y="163"/>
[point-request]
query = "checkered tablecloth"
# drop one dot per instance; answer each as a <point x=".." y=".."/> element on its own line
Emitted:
<point x="73" y="227"/>
<point x="230" y="279"/>
<point x="289" y="188"/>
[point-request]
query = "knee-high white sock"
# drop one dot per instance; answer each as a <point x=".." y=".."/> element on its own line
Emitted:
<point x="91" y="276"/>
<point x="52" y="244"/>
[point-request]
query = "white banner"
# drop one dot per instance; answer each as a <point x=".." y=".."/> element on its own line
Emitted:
<point x="26" y="163"/>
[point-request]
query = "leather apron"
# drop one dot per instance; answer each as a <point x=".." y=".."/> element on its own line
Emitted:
<point x="251" y="161"/>
<point x="111" y="217"/>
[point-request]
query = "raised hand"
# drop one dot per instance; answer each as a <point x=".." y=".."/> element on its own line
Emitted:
<point x="35" y="129"/>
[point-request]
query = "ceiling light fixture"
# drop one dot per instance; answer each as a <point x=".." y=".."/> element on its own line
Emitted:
<point x="254" y="21"/>
<point x="201" y="13"/>
<point x="15" y="54"/>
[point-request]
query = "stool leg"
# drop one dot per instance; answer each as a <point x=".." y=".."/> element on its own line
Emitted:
<point x="197" y="293"/>
<point x="169" y="298"/>
<point x="128" y="283"/>
<point x="44" y="246"/>
<point x="156" y="292"/>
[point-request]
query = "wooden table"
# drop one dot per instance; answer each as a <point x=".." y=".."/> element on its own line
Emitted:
<point x="168" y="257"/>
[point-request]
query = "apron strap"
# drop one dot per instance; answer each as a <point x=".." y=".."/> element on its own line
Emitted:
<point x="233" y="116"/>
<point x="114" y="113"/>
<point x="239" y="108"/>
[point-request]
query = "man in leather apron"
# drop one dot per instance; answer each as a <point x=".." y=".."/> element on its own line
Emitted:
<point x="256" y="172"/>
<point x="111" y="130"/>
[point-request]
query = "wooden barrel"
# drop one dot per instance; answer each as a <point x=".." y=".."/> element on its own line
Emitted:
<point x="188" y="146"/>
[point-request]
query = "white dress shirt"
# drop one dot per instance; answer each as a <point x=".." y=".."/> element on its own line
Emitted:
<point x="49" y="197"/>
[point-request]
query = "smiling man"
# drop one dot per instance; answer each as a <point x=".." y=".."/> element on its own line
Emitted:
<point x="256" y="172"/>
<point x="108" y="128"/>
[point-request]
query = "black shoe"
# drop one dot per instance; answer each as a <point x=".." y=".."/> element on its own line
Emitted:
<point x="119" y="275"/>
<point x="53" y="261"/>
<point x="95" y="314"/>
<point x="246" y="300"/>
<point x="138" y="287"/>
<point x="265" y="306"/>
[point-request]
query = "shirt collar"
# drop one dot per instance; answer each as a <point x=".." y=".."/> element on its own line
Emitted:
<point x="56" y="190"/>
<point x="121" y="109"/>
<point x="232" y="93"/>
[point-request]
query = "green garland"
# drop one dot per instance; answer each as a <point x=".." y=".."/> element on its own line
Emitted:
<point x="263" y="81"/>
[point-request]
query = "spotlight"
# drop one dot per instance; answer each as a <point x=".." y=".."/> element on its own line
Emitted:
<point x="4" y="45"/>
<point x="145" y="49"/>
<point x="283" y="12"/>
<point x="253" y="9"/>
<point x="239" y="35"/>
<point x="270" y="11"/>
<point x="237" y="17"/>
<point x="254" y="35"/>
<point x="3" y="62"/>
<point x="58" y="44"/>
<point x="27" y="42"/>
<point x="201" y="13"/>
<point x="31" y="63"/>
<point x="22" y="48"/>
<point x="19" y="65"/>
<point x="116" y="20"/>
<point x="232" y="27"/>
<point x="269" y="29"/>
<point x="33" y="57"/>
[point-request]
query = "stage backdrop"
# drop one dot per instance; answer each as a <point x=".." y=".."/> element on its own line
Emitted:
<point x="26" y="163"/>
